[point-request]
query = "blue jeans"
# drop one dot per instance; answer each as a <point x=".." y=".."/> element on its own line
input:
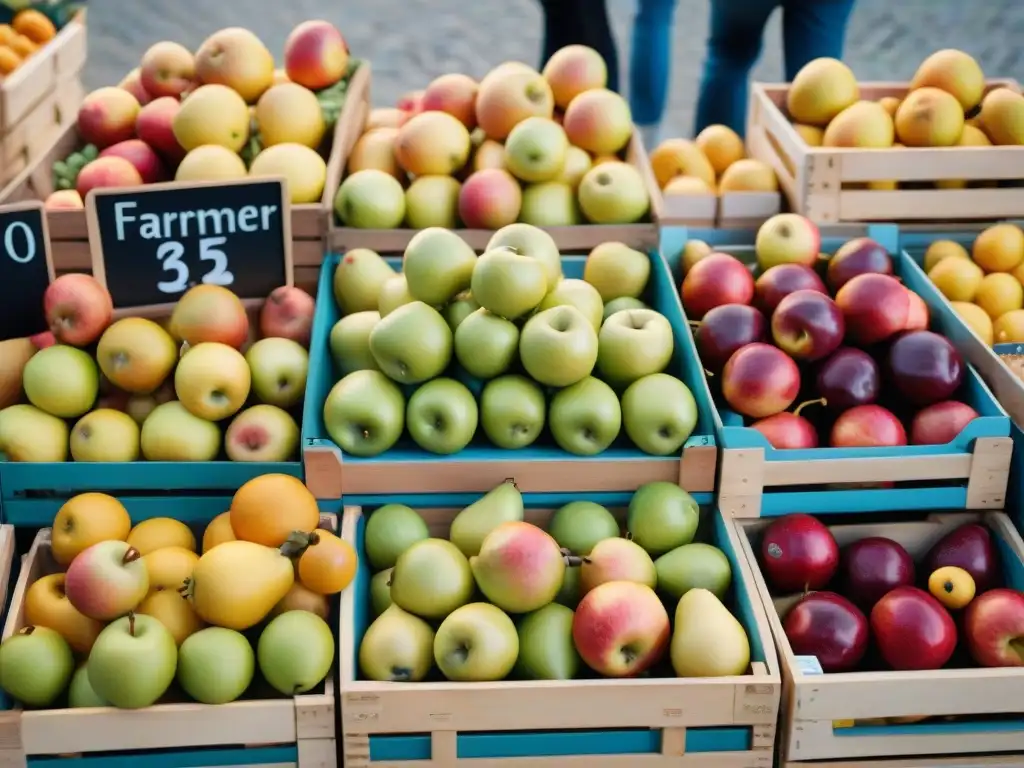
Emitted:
<point x="650" y="60"/>
<point x="810" y="29"/>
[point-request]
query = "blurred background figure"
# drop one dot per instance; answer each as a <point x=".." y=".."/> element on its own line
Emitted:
<point x="650" y="66"/>
<point x="580" y="22"/>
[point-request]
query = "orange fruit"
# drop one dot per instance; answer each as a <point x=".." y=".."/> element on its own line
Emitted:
<point x="1000" y="248"/>
<point x="268" y="508"/>
<point x="721" y="145"/>
<point x="218" y="531"/>
<point x="957" y="279"/>
<point x="1009" y="329"/>
<point x="35" y="26"/>
<point x="9" y="60"/>
<point x="22" y="46"/>
<point x="976" y="319"/>
<point x="940" y="249"/>
<point x="999" y="293"/>
<point x="7" y="34"/>
<point x="327" y="566"/>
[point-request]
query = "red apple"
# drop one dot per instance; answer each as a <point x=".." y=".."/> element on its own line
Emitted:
<point x="798" y="553"/>
<point x="724" y="330"/>
<point x="620" y="628"/>
<point x="808" y="325"/>
<point x="781" y="280"/>
<point x="829" y="627"/>
<point x="43" y="340"/>
<point x="760" y="380"/>
<point x="941" y="423"/>
<point x="918" y="318"/>
<point x="288" y="314"/>
<point x="789" y="430"/>
<point x="859" y="256"/>
<point x="873" y="566"/>
<point x="925" y="367"/>
<point x="867" y="426"/>
<point x="874" y="306"/>
<point x="969" y="547"/>
<point x="912" y="630"/>
<point x="141" y="155"/>
<point x="155" y="126"/>
<point x="78" y="309"/>
<point x="849" y="377"/>
<point x="994" y="626"/>
<point x="715" y="280"/>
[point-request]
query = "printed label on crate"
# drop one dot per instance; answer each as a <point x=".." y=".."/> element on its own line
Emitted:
<point x="26" y="269"/>
<point x="151" y="244"/>
<point x="809" y="665"/>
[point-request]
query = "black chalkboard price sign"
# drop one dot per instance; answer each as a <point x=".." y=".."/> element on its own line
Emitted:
<point x="151" y="244"/>
<point x="26" y="269"/>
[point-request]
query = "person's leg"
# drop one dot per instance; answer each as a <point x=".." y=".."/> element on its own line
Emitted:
<point x="734" y="45"/>
<point x="650" y="66"/>
<point x="812" y="29"/>
<point x="561" y="24"/>
<point x="580" y="22"/>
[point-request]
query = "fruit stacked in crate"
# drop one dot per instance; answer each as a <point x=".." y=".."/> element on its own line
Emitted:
<point x="584" y="358"/>
<point x="185" y="117"/>
<point x="715" y="163"/>
<point x="114" y="390"/>
<point x="855" y="343"/>
<point x="586" y="598"/>
<point x="545" y="149"/>
<point x="28" y="31"/>
<point x="125" y="612"/>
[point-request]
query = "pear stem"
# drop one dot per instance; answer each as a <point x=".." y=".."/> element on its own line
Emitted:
<point x="131" y="624"/>
<point x="575" y="561"/>
<point x="819" y="401"/>
<point x="131" y="556"/>
<point x="512" y="481"/>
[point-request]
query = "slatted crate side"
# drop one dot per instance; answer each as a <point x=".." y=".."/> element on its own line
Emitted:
<point x="817" y="710"/>
<point x="967" y="761"/>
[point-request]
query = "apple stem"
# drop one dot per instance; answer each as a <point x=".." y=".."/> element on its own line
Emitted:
<point x="131" y="624"/>
<point x="27" y="630"/>
<point x="709" y="374"/>
<point x="131" y="556"/>
<point x="184" y="348"/>
<point x="693" y="323"/>
<point x="819" y="401"/>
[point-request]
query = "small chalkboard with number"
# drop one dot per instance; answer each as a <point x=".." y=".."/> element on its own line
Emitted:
<point x="26" y="269"/>
<point x="151" y="244"/>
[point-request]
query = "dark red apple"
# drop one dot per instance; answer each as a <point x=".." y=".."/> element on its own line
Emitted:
<point x="808" y="325"/>
<point x="849" y="377"/>
<point x="994" y="628"/>
<point x="867" y="426"/>
<point x="724" y="330"/>
<point x="760" y="380"/>
<point x="918" y="318"/>
<point x="969" y="547"/>
<point x="715" y="280"/>
<point x="830" y="627"/>
<point x="874" y="306"/>
<point x="860" y="256"/>
<point x="940" y="423"/>
<point x="873" y="566"/>
<point x="788" y="430"/>
<point x="783" y="279"/>
<point x="912" y="630"/>
<point x="925" y="367"/>
<point x="798" y="553"/>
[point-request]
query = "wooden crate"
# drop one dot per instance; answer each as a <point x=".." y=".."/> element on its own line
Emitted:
<point x="827" y="184"/>
<point x="732" y="210"/>
<point x="669" y="716"/>
<point x="969" y="761"/>
<point x="819" y="713"/>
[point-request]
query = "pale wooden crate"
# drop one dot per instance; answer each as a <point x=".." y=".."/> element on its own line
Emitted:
<point x="732" y="210"/>
<point x="307" y="720"/>
<point x="973" y="761"/>
<point x="812" y="705"/>
<point x="445" y="709"/>
<point x="46" y="121"/>
<point x="819" y="181"/>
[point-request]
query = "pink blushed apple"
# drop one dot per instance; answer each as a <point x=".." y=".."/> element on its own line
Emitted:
<point x="994" y="626"/>
<point x="620" y="628"/>
<point x="137" y="152"/>
<point x="288" y="314"/>
<point x="64" y="200"/>
<point x="154" y="126"/>
<point x="490" y="199"/>
<point x="133" y="84"/>
<point x="168" y="69"/>
<point x="315" y="55"/>
<point x="454" y="94"/>
<point x="107" y="116"/>
<point x="78" y="309"/>
<point x="107" y="580"/>
<point x="43" y="340"/>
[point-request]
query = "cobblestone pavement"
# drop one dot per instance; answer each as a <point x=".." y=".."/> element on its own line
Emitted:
<point x="411" y="41"/>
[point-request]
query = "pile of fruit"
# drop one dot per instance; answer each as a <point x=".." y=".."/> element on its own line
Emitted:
<point x="109" y="390"/>
<point x="545" y="149"/>
<point x="949" y="608"/>
<point x="185" y="117"/>
<point x="124" y="611"/>
<point x="507" y="326"/>
<point x="715" y="162"/>
<point x="986" y="286"/>
<point x="853" y="337"/>
<point x="28" y="31"/>
<point x="586" y="600"/>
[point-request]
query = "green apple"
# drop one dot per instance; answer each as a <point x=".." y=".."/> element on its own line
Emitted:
<point x="393" y="294"/>
<point x="442" y="416"/>
<point x="512" y="411"/>
<point x="380" y="591"/>
<point x="61" y="380"/>
<point x="390" y="530"/>
<point x="546" y="649"/>
<point x="534" y="242"/>
<point x="579" y="294"/>
<point x="36" y="664"/>
<point x="431" y="579"/>
<point x="535" y="149"/>
<point x="585" y="417"/>
<point x="132" y="662"/>
<point x="215" y="665"/>
<point x="508" y="284"/>
<point x="350" y="342"/>
<point x="476" y="643"/>
<point x="662" y="516"/>
<point x="370" y="199"/>
<point x="279" y="368"/>
<point x="577" y="163"/>
<point x="358" y="278"/>
<point x="659" y="414"/>
<point x="412" y="344"/>
<point x="461" y="307"/>
<point x="550" y="204"/>
<point x="364" y="413"/>
<point x="617" y="271"/>
<point x="172" y="433"/>
<point x="295" y="652"/>
<point x="558" y="346"/>
<point x="620" y="304"/>
<point x="438" y="265"/>
<point x="632" y="344"/>
<point x="613" y="193"/>
<point x="30" y="434"/>
<point x="579" y="525"/>
<point x="262" y="433"/>
<point x="432" y="201"/>
<point x="80" y="692"/>
<point x="485" y="344"/>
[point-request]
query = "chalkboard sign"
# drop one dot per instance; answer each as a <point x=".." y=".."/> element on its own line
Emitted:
<point x="151" y="244"/>
<point x="26" y="269"/>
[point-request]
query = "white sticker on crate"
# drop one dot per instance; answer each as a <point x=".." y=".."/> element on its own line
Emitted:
<point x="809" y="665"/>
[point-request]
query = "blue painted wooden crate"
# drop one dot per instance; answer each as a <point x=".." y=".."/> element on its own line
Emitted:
<point x="756" y="479"/>
<point x="970" y="710"/>
<point x="653" y="721"/>
<point x="407" y="473"/>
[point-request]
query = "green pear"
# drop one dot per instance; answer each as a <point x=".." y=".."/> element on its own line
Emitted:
<point x="380" y="591"/>
<point x="546" y="649"/>
<point x="390" y="530"/>
<point x="485" y="344"/>
<point x="394" y="293"/>
<point x="476" y="643"/>
<point x="508" y="284"/>
<point x="360" y="275"/>
<point x="350" y="342"/>
<point x="579" y="525"/>
<point x="662" y="516"/>
<point x="471" y="526"/>
<point x="412" y="344"/>
<point x="461" y="307"/>
<point x="534" y="242"/>
<point x="569" y="593"/>
<point x="618" y="305"/>
<point x="431" y="579"/>
<point x="438" y="265"/>
<point x="397" y="647"/>
<point x="617" y="270"/>
<point x="707" y="640"/>
<point x="693" y="566"/>
<point x="579" y="294"/>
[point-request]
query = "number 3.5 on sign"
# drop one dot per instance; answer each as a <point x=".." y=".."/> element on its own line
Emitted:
<point x="171" y="253"/>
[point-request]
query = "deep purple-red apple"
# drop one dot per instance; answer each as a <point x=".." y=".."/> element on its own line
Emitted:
<point x="849" y="377"/>
<point x="798" y="552"/>
<point x="912" y="630"/>
<point x="969" y="547"/>
<point x="872" y="567"/>
<point x="781" y="280"/>
<point x="760" y="380"/>
<point x="941" y="423"/>
<point x="874" y="306"/>
<point x="724" y="330"/>
<point x="867" y="426"/>
<point x="859" y="256"/>
<point x="830" y="627"/>
<point x="715" y="280"/>
<point x="808" y="325"/>
<point x="925" y="367"/>
<point x="787" y="430"/>
<point x="994" y="627"/>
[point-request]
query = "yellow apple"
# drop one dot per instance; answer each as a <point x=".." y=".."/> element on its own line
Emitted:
<point x="173" y="611"/>
<point x="159" y="532"/>
<point x="171" y="433"/>
<point x="169" y="567"/>
<point x="301" y="599"/>
<point x="46" y="605"/>
<point x="212" y="381"/>
<point x="105" y="435"/>
<point x="30" y="434"/>
<point x="87" y="519"/>
<point x="136" y="354"/>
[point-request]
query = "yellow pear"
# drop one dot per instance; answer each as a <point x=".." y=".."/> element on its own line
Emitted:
<point x="707" y="640"/>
